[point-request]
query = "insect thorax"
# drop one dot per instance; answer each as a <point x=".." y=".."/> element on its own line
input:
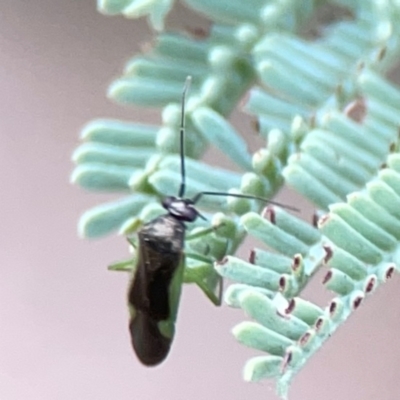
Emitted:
<point x="165" y="233"/>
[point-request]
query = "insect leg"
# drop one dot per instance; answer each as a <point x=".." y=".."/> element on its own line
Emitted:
<point x="124" y="265"/>
<point x="202" y="232"/>
<point x="199" y="266"/>
<point x="128" y="265"/>
<point x="205" y="277"/>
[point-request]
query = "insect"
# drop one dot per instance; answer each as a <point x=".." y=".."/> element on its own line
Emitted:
<point x="155" y="289"/>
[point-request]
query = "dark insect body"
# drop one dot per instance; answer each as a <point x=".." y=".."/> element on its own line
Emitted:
<point x="155" y="289"/>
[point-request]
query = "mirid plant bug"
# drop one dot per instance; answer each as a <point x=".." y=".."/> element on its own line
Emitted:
<point x="155" y="289"/>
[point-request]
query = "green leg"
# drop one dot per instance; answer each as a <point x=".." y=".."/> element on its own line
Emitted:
<point x="204" y="275"/>
<point x="206" y="278"/>
<point x="201" y="233"/>
<point x="125" y="265"/>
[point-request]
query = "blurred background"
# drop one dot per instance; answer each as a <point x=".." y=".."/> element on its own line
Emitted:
<point x="63" y="316"/>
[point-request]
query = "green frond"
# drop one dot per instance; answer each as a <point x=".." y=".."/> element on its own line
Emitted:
<point x="330" y="120"/>
<point x="156" y="10"/>
<point x="357" y="239"/>
<point x="275" y="14"/>
<point x="359" y="244"/>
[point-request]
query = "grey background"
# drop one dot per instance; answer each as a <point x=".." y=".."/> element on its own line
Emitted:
<point x="63" y="319"/>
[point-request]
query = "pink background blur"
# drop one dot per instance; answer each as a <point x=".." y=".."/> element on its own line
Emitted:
<point x="63" y="319"/>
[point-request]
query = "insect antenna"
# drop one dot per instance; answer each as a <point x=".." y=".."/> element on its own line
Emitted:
<point x="182" y="187"/>
<point x="198" y="196"/>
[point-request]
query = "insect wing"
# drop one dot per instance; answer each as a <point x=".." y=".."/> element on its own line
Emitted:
<point x="155" y="290"/>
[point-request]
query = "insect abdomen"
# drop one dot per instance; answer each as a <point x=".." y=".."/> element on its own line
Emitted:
<point x="150" y="345"/>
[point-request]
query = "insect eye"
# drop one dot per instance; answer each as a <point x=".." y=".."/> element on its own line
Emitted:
<point x="189" y="213"/>
<point x="168" y="201"/>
